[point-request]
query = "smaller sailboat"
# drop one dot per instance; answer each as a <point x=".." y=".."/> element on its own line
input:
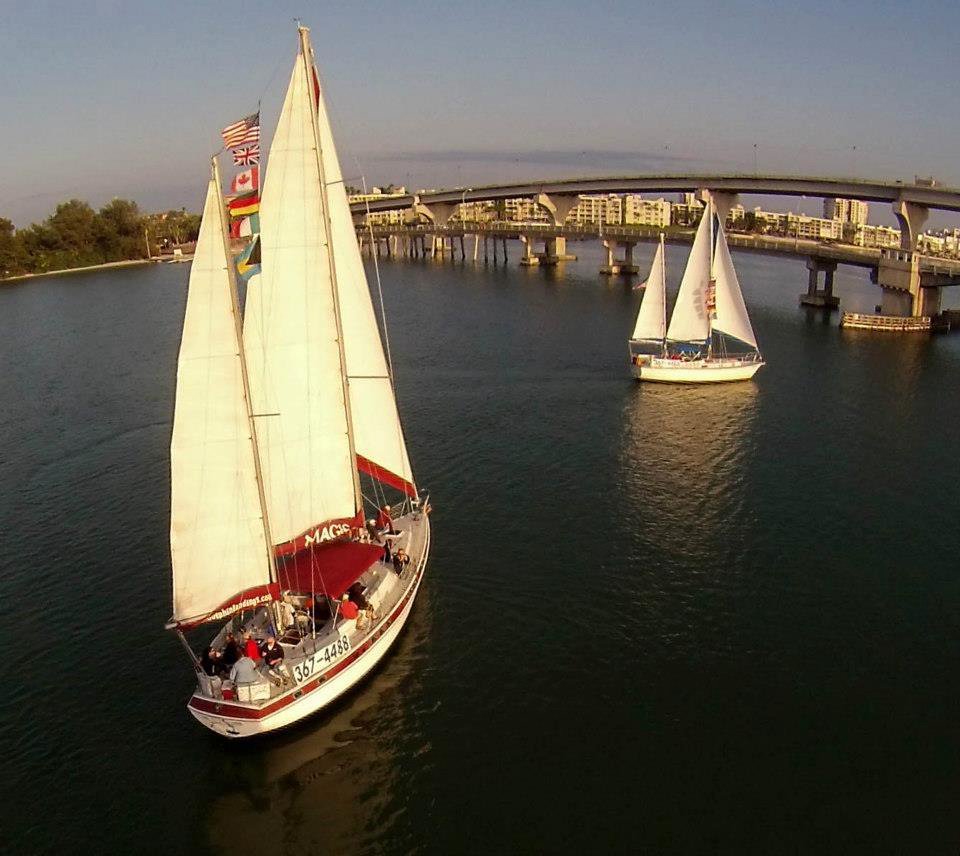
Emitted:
<point x="709" y="338"/>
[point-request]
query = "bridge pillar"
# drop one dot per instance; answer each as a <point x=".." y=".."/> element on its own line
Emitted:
<point x="558" y="207"/>
<point x="555" y="250"/>
<point x="614" y="266"/>
<point x="438" y="213"/>
<point x="820" y="298"/>
<point x="911" y="218"/>
<point x="529" y="257"/>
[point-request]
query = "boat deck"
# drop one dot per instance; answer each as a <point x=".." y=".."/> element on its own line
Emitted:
<point x="309" y="651"/>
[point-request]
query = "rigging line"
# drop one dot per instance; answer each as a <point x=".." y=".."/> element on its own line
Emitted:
<point x="376" y="268"/>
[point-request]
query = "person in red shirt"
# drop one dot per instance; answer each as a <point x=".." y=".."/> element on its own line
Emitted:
<point x="348" y="609"/>
<point x="250" y="646"/>
<point x="385" y="521"/>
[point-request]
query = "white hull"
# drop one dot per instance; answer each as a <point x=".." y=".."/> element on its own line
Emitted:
<point x="233" y="719"/>
<point x="697" y="371"/>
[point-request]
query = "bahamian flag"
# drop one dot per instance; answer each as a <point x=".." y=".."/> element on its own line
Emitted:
<point x="248" y="260"/>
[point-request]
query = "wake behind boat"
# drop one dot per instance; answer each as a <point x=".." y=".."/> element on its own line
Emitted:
<point x="710" y="338"/>
<point x="281" y="407"/>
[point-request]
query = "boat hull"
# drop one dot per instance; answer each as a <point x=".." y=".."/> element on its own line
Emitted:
<point x="698" y="371"/>
<point x="234" y="720"/>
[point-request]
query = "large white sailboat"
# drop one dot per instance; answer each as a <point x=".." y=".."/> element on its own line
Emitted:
<point x="286" y="435"/>
<point x="709" y="338"/>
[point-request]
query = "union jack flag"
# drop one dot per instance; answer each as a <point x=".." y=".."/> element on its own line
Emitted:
<point x="246" y="156"/>
<point x="246" y="132"/>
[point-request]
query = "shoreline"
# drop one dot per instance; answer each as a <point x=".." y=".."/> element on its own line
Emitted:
<point x="106" y="265"/>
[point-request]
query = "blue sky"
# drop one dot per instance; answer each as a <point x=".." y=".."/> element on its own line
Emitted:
<point x="104" y="99"/>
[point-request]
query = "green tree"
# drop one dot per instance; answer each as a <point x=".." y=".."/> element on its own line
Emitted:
<point x="119" y="231"/>
<point x="12" y="256"/>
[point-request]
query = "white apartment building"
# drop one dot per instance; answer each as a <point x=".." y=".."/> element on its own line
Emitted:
<point x="381" y="218"/>
<point x="524" y="211"/>
<point x="876" y="236"/>
<point x="594" y="210"/>
<point x="813" y="228"/>
<point x="646" y="212"/>
<point x="846" y="210"/>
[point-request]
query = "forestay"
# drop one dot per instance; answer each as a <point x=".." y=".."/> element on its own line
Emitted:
<point x="378" y="435"/>
<point x="731" y="317"/>
<point x="689" y="322"/>
<point x="651" y="319"/>
<point x="217" y="541"/>
<point x="290" y="337"/>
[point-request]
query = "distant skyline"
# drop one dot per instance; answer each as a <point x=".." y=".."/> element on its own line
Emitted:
<point x="105" y="99"/>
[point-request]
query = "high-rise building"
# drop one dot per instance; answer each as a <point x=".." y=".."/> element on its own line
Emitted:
<point x="646" y="212"/>
<point x="846" y="210"/>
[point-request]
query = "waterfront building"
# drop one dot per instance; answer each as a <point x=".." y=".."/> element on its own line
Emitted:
<point x="646" y="212"/>
<point x="522" y="210"/>
<point x="687" y="211"/>
<point x="381" y="218"/>
<point x="813" y="228"/>
<point x="846" y="210"/>
<point x="867" y="235"/>
<point x="594" y="210"/>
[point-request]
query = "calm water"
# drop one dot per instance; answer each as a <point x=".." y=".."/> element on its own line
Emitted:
<point x="690" y="620"/>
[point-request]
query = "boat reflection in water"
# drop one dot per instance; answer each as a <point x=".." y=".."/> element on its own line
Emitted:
<point x="684" y="468"/>
<point x="333" y="784"/>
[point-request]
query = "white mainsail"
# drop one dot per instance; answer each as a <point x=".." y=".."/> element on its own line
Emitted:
<point x="290" y="337"/>
<point x="689" y="322"/>
<point x="217" y="540"/>
<point x="651" y="318"/>
<point x="731" y="317"/>
<point x="378" y="436"/>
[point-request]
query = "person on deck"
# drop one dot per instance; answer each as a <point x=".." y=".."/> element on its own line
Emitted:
<point x="244" y="671"/>
<point x="231" y="652"/>
<point x="400" y="561"/>
<point x="211" y="660"/>
<point x="348" y="609"/>
<point x="250" y="647"/>
<point x="385" y="521"/>
<point x="272" y="653"/>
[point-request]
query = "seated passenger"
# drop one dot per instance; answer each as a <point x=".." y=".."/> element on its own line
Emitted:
<point x="250" y="647"/>
<point x="272" y="653"/>
<point x="231" y="652"/>
<point x="356" y="595"/>
<point x="211" y="661"/>
<point x="348" y="609"/>
<point x="244" y="671"/>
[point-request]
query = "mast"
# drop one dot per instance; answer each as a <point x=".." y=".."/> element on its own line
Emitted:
<point x="663" y="291"/>
<point x="306" y="52"/>
<point x="711" y="286"/>
<point x="238" y="327"/>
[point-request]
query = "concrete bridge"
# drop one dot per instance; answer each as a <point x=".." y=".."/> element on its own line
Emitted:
<point x="908" y="282"/>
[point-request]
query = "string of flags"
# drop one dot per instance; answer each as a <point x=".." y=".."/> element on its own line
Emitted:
<point x="243" y="140"/>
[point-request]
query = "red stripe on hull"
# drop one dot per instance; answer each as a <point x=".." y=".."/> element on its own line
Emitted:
<point x="225" y="709"/>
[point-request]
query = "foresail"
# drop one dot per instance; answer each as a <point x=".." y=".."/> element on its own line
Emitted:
<point x="689" y="322"/>
<point x="651" y="316"/>
<point x="290" y="337"/>
<point x="731" y="317"/>
<point x="378" y="435"/>
<point x="217" y="541"/>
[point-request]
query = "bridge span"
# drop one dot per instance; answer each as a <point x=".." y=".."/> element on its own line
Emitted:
<point x="910" y="283"/>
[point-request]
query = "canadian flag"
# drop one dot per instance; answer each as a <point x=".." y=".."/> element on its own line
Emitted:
<point x="244" y="182"/>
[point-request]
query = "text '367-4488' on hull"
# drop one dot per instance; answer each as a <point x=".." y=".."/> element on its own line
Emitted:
<point x="298" y="536"/>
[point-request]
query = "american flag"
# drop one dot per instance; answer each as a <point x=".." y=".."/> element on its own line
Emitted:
<point x="243" y="133"/>
<point x="247" y="156"/>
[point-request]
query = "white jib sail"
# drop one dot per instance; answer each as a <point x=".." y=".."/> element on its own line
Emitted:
<point x="378" y="436"/>
<point x="732" y="317"/>
<point x="217" y="539"/>
<point x="689" y="322"/>
<point x="651" y="318"/>
<point x="290" y="337"/>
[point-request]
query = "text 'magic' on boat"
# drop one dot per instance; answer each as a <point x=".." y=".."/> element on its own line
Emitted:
<point x="294" y="510"/>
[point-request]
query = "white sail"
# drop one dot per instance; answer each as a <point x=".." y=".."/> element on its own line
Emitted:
<point x="651" y="318"/>
<point x="689" y="322"/>
<point x="731" y="317"/>
<point x="217" y="540"/>
<point x="290" y="337"/>
<point x="378" y="436"/>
